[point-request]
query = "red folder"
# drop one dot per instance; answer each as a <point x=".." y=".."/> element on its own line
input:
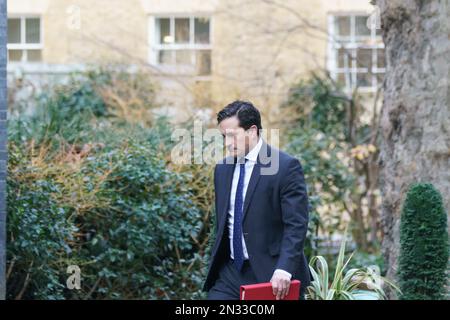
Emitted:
<point x="263" y="291"/>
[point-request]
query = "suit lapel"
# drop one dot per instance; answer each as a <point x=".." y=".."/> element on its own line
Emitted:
<point x="256" y="173"/>
<point x="225" y="201"/>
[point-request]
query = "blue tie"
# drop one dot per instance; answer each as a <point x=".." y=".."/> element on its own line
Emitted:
<point x="237" y="226"/>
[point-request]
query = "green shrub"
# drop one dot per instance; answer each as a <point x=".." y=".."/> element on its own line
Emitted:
<point x="316" y="135"/>
<point x="75" y="112"/>
<point x="317" y="104"/>
<point x="88" y="188"/>
<point x="424" y="249"/>
<point x="38" y="232"/>
<point x="146" y="243"/>
<point x="126" y="220"/>
<point x="64" y="114"/>
<point x="326" y="129"/>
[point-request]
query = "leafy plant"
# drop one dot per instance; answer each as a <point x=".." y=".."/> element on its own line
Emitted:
<point x="353" y="284"/>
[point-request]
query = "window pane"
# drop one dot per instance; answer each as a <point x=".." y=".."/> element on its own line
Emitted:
<point x="181" y="30"/>
<point x="361" y="26"/>
<point x="378" y="32"/>
<point x="165" y="57"/>
<point x="32" y="27"/>
<point x="183" y="57"/>
<point x="203" y="62"/>
<point x="364" y="79"/>
<point x="364" y="58"/>
<point x="344" y="79"/>
<point x="34" y="55"/>
<point x="15" y="55"/>
<point x="201" y="30"/>
<point x="344" y="58"/>
<point x="341" y="79"/>
<point x="342" y="25"/>
<point x="13" y="30"/>
<point x="381" y="59"/>
<point x="163" y="25"/>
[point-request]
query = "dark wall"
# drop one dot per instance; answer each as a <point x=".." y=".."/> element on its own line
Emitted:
<point x="3" y="154"/>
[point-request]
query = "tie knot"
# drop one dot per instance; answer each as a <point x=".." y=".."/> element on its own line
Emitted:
<point x="241" y="160"/>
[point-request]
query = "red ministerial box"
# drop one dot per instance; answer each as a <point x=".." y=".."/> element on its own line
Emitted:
<point x="263" y="291"/>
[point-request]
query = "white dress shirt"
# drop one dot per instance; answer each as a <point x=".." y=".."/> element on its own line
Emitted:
<point x="251" y="157"/>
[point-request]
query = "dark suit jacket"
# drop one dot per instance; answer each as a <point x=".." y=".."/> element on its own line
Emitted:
<point x="275" y="217"/>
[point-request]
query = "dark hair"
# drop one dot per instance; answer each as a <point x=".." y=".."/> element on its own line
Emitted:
<point x="245" y="111"/>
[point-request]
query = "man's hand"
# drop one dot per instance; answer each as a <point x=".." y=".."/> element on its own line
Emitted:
<point x="281" y="281"/>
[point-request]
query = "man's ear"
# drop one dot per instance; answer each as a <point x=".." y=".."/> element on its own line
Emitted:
<point x="255" y="128"/>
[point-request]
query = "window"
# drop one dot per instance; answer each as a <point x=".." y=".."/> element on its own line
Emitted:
<point x="356" y="56"/>
<point x="24" y="39"/>
<point x="183" y="43"/>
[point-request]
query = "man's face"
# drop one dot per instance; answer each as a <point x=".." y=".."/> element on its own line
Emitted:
<point x="236" y="139"/>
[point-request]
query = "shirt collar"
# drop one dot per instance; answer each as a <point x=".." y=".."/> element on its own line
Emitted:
<point x="252" y="155"/>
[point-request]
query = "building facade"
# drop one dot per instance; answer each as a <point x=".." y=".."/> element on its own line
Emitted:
<point x="202" y="54"/>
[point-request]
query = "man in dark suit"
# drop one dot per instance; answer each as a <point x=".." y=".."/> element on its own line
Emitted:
<point x="261" y="211"/>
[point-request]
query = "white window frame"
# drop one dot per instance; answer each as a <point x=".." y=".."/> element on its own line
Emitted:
<point x="23" y="45"/>
<point x="155" y="46"/>
<point x="352" y="43"/>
